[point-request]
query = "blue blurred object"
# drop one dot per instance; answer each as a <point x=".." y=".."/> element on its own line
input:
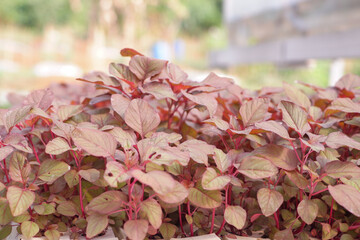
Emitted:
<point x="179" y="49"/>
<point x="161" y="50"/>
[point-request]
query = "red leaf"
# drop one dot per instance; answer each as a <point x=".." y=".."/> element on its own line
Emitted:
<point x="129" y="52"/>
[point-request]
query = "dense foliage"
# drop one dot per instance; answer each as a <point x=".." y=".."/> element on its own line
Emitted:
<point x="150" y="152"/>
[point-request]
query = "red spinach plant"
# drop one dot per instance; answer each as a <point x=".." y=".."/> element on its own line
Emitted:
<point x="150" y="152"/>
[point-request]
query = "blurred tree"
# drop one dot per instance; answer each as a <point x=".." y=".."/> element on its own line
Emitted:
<point x="202" y="15"/>
<point x="187" y="16"/>
<point x="35" y="14"/>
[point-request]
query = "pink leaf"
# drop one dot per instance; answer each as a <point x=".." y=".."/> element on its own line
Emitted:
<point x="141" y="117"/>
<point x="145" y="67"/>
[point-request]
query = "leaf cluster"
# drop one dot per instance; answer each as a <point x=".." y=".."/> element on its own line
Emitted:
<point x="146" y="150"/>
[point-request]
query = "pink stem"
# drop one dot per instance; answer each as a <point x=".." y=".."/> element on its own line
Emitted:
<point x="212" y="221"/>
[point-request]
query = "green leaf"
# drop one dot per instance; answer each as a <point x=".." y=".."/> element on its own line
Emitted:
<point x="19" y="200"/>
<point x="275" y="127"/>
<point x="308" y="211"/>
<point x="5" y="216"/>
<point x="136" y="229"/>
<point x="51" y="169"/>
<point x="13" y="117"/>
<point x="299" y="180"/>
<point x="254" y="111"/>
<point x="96" y="224"/>
<point x="346" y="237"/>
<point x="22" y="218"/>
<point x="204" y="198"/>
<point x="177" y="194"/>
<point x="52" y="234"/>
<point x="29" y="229"/>
<point x="91" y="175"/>
<point x="67" y="208"/>
<point x="269" y="201"/>
<point x="221" y="159"/>
<point x="95" y="142"/>
<point x="19" y="170"/>
<point x="151" y="210"/>
<point x="297" y="96"/>
<point x="5" y="231"/>
<point x="257" y="168"/>
<point x="57" y="146"/>
<point x="168" y="230"/>
<point x="141" y="117"/>
<point x="280" y="156"/>
<point x="353" y="182"/>
<point x="294" y="117"/>
<point x="107" y="202"/>
<point x="212" y="181"/>
<point x="328" y="232"/>
<point x="284" y="235"/>
<point x="145" y="67"/>
<point x="347" y="196"/>
<point x="236" y="216"/>
<point x="72" y="178"/>
<point x="338" y="169"/>
<point x="44" y="209"/>
<point x="115" y="173"/>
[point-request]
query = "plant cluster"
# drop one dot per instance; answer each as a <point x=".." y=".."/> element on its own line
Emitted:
<point x="150" y="152"/>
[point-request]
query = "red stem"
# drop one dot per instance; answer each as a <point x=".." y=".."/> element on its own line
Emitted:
<point x="180" y="220"/>
<point x="319" y="192"/>
<point x="354" y="227"/>
<point x="277" y="220"/>
<point x="224" y="142"/>
<point x="5" y="171"/>
<point x="226" y="204"/>
<point x="35" y="153"/>
<point x="212" y="221"/>
<point x="301" y="228"/>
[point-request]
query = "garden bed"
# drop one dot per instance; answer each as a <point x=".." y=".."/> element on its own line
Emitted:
<point x="150" y="152"/>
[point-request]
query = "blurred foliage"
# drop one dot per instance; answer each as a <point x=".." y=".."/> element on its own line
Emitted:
<point x="256" y="76"/>
<point x="353" y="66"/>
<point x="35" y="13"/>
<point x="202" y="15"/>
<point x="193" y="17"/>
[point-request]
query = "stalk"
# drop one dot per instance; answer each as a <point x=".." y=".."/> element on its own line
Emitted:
<point x="212" y="220"/>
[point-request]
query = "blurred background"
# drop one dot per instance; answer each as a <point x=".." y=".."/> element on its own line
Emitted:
<point x="257" y="42"/>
